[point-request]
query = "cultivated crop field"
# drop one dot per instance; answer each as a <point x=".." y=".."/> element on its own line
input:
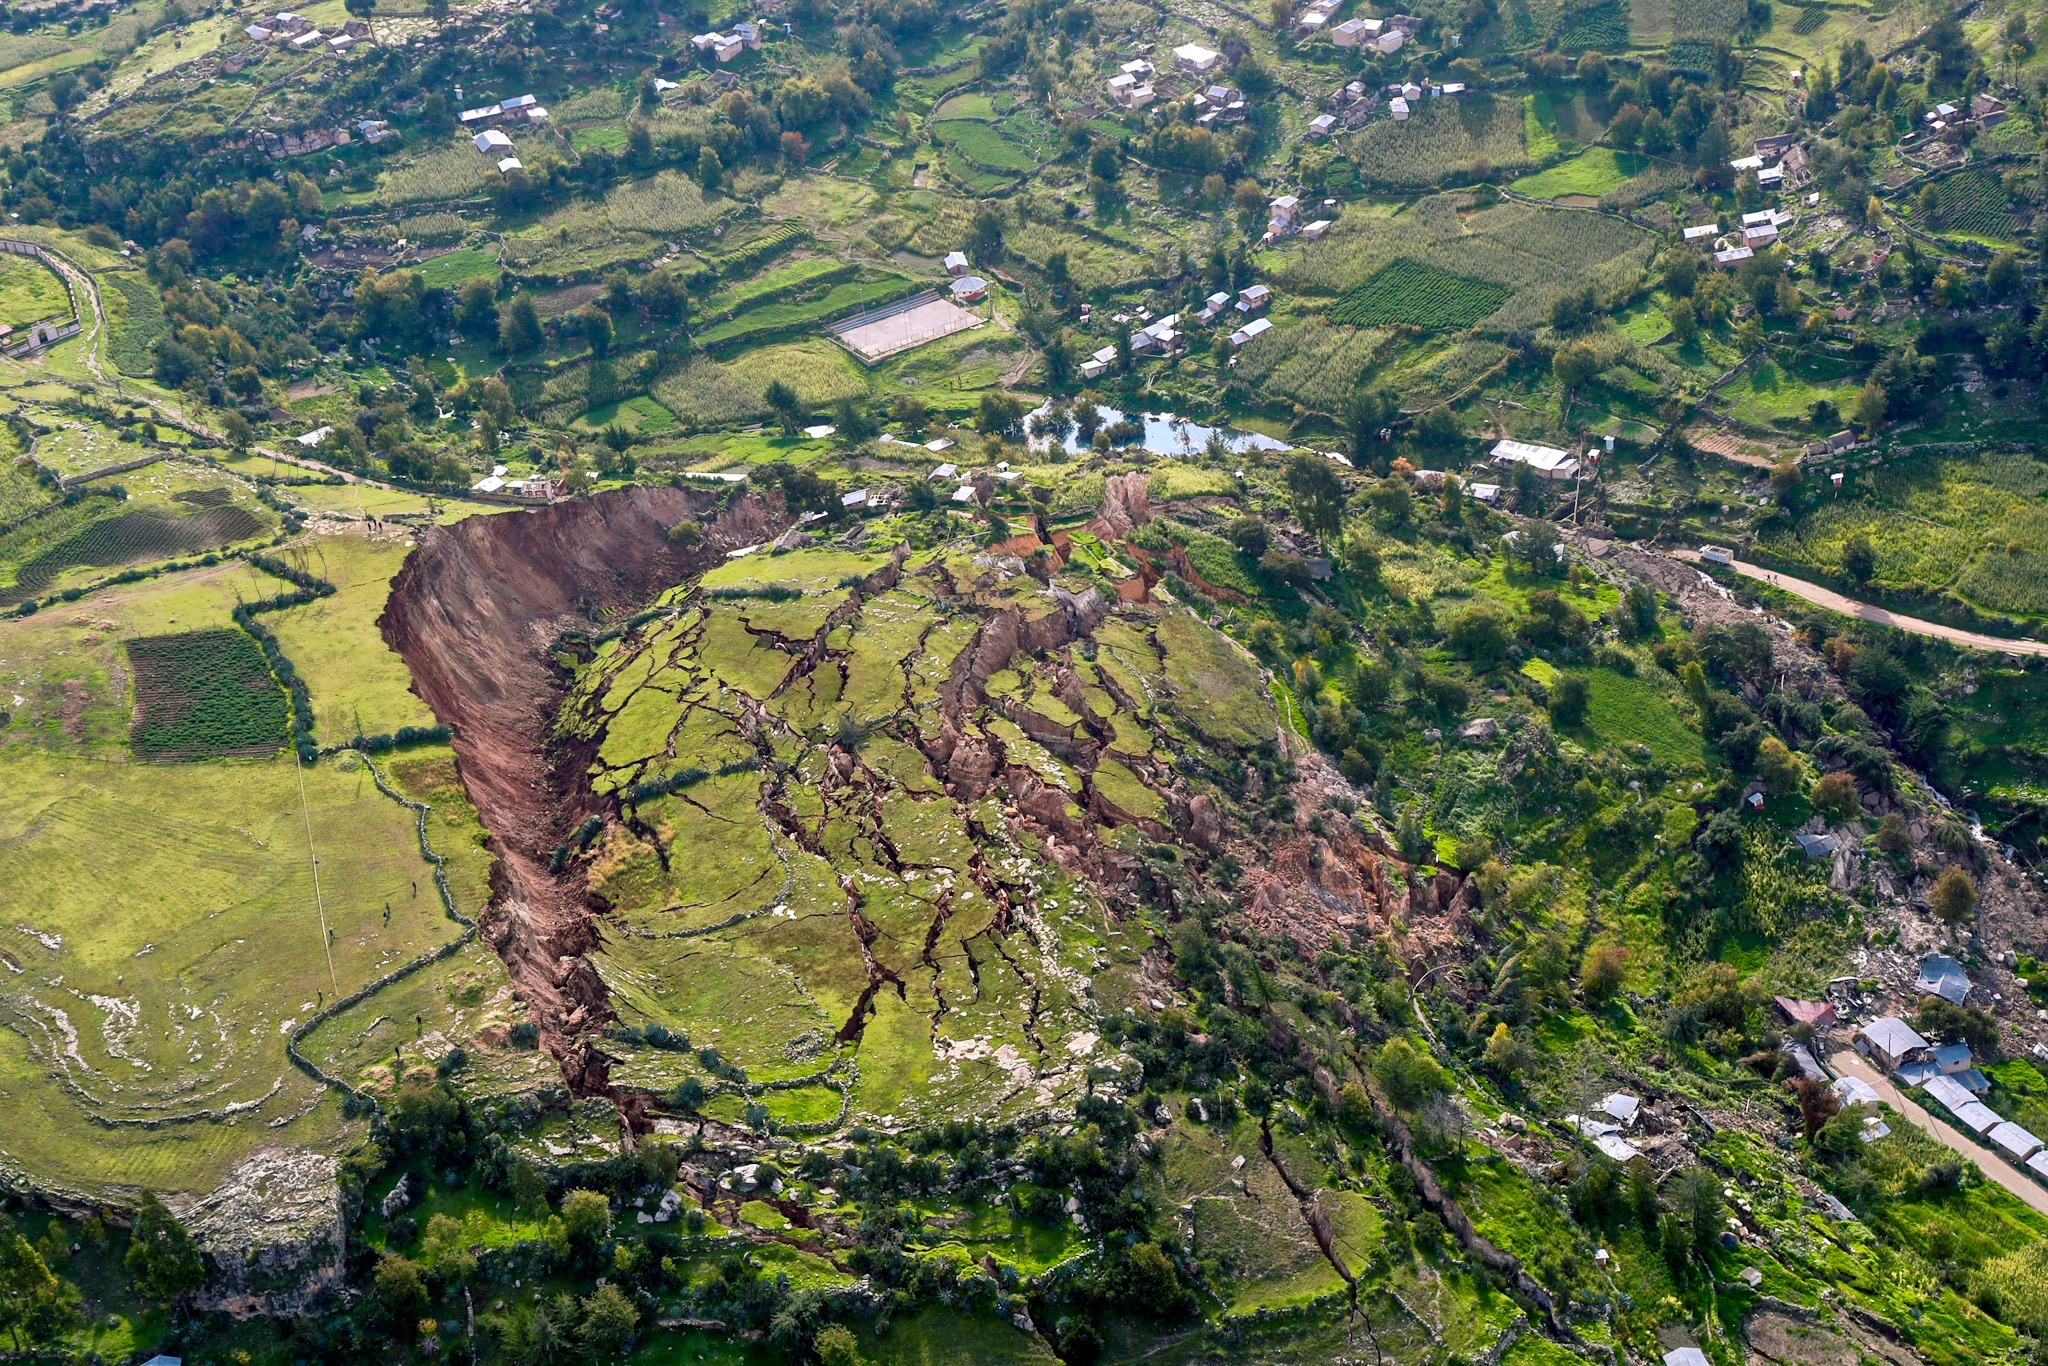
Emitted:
<point x="135" y="537"/>
<point x="1442" y="142"/>
<point x="706" y="392"/>
<point x="203" y="695"/>
<point x="438" y="173"/>
<point x="1973" y="204"/>
<point x="1420" y="295"/>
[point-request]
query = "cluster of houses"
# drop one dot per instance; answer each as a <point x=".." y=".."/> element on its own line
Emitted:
<point x="723" y="47"/>
<point x="1285" y="218"/>
<point x="1161" y="338"/>
<point x="967" y="287"/>
<point x="1757" y="232"/>
<point x="1136" y="85"/>
<point x="539" y="488"/>
<point x="1388" y="35"/>
<point x="1547" y="461"/>
<point x="1779" y="161"/>
<point x="1352" y="104"/>
<point x="296" y="32"/>
<point x="1946" y="1073"/>
<point x="492" y="143"/>
<point x="1986" y="111"/>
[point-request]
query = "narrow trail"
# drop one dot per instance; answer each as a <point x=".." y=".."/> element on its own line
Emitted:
<point x="1863" y="611"/>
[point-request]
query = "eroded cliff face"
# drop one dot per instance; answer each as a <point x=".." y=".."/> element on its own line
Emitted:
<point x="272" y="1235"/>
<point x="475" y="614"/>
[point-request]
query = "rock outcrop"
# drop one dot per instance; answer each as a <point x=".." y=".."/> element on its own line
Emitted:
<point x="271" y="1234"/>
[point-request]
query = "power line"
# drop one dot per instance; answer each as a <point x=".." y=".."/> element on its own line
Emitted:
<point x="326" y="941"/>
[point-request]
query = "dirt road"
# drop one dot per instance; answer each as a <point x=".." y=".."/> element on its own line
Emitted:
<point x="1863" y="611"/>
<point x="1847" y="1064"/>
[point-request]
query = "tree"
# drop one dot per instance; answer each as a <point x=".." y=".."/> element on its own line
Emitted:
<point x="1317" y="492"/>
<point x="32" y="1299"/>
<point x="783" y="402"/>
<point x="1859" y="559"/>
<point x="710" y="170"/>
<point x="1602" y="972"/>
<point x="586" y="1217"/>
<point x="519" y="327"/>
<point x="401" y="1291"/>
<point x="1481" y="634"/>
<point x="1871" y="406"/>
<point x="1954" y="896"/>
<point x="609" y="1319"/>
<point x="1409" y="1076"/>
<point x="1782" y="771"/>
<point x="1892" y="835"/>
<point x="596" y="326"/>
<point x="835" y="1345"/>
<point x="1835" y="796"/>
<point x="1574" y="365"/>
<point x="999" y="414"/>
<point x="1568" y="697"/>
<point x="162" y="1258"/>
<point x="1249" y="535"/>
<point x="361" y="9"/>
<point x="1393" y="501"/>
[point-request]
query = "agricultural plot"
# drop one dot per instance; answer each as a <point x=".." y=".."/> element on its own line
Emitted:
<point x="1313" y="363"/>
<point x="1972" y="204"/>
<point x="1964" y="524"/>
<point x="123" y="538"/>
<point x="176" y="908"/>
<point x="1602" y="27"/>
<point x="451" y="172"/>
<point x="204" y="695"/>
<point x="1536" y="253"/>
<point x="1418" y="295"/>
<point x="137" y="320"/>
<point x="703" y="392"/>
<point x="30" y="292"/>
<point x="1443" y="142"/>
<point x="22" y="494"/>
<point x="666" y="203"/>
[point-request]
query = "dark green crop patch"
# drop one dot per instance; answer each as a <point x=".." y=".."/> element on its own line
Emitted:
<point x="1418" y="295"/>
<point x="203" y="695"/>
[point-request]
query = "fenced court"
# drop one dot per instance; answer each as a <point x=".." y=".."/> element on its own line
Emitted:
<point x="908" y="323"/>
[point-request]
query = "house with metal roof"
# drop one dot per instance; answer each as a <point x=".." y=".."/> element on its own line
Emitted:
<point x="1943" y="976"/>
<point x="1890" y="1041"/>
<point x="2015" y="1142"/>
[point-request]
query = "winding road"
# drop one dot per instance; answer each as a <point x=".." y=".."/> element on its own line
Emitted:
<point x="1863" y="611"/>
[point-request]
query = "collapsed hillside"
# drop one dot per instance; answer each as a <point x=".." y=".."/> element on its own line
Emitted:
<point x="474" y="613"/>
<point x="828" y="832"/>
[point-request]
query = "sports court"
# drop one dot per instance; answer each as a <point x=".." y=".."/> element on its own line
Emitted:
<point x="901" y="326"/>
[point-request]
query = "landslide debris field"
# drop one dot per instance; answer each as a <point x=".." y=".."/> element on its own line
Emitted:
<point x="828" y="833"/>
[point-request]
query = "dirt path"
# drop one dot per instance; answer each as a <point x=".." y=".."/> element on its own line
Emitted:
<point x="1863" y="611"/>
<point x="1846" y="1063"/>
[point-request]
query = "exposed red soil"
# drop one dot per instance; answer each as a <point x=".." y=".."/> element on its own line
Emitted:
<point x="475" y="613"/>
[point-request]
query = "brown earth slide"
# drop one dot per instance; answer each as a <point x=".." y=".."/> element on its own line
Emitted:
<point x="475" y="613"/>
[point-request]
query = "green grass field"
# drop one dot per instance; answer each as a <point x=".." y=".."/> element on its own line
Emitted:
<point x="1628" y="711"/>
<point x="186" y="955"/>
<point x="30" y="292"/>
<point x="1593" y="172"/>
<point x="359" y="685"/>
